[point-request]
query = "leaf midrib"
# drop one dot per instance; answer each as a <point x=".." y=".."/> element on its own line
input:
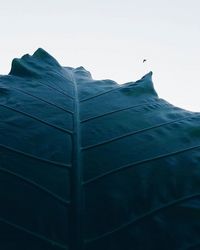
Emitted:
<point x="76" y="237"/>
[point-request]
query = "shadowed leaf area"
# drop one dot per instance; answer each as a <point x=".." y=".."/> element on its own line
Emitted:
<point x="89" y="164"/>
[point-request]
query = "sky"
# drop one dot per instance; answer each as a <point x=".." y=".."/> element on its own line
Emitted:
<point x="110" y="38"/>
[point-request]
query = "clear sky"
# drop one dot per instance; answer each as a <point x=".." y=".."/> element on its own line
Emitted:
<point x="110" y="38"/>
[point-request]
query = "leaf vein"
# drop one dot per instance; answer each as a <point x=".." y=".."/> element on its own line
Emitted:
<point x="138" y="163"/>
<point x="34" y="234"/>
<point x="153" y="211"/>
<point x="37" y="119"/>
<point x="137" y="132"/>
<point x="34" y="184"/>
<point x="36" y="157"/>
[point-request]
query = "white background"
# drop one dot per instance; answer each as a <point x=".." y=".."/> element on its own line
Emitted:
<point x="110" y="38"/>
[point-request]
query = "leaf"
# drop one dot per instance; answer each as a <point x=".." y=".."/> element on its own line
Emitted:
<point x="89" y="164"/>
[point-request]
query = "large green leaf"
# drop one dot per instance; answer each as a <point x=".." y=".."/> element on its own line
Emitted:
<point x="89" y="164"/>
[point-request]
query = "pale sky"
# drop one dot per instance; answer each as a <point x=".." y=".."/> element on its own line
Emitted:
<point x="110" y="38"/>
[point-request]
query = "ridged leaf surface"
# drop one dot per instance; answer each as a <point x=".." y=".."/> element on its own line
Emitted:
<point x="89" y="164"/>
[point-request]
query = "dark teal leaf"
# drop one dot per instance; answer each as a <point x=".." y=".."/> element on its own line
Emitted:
<point x="89" y="164"/>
